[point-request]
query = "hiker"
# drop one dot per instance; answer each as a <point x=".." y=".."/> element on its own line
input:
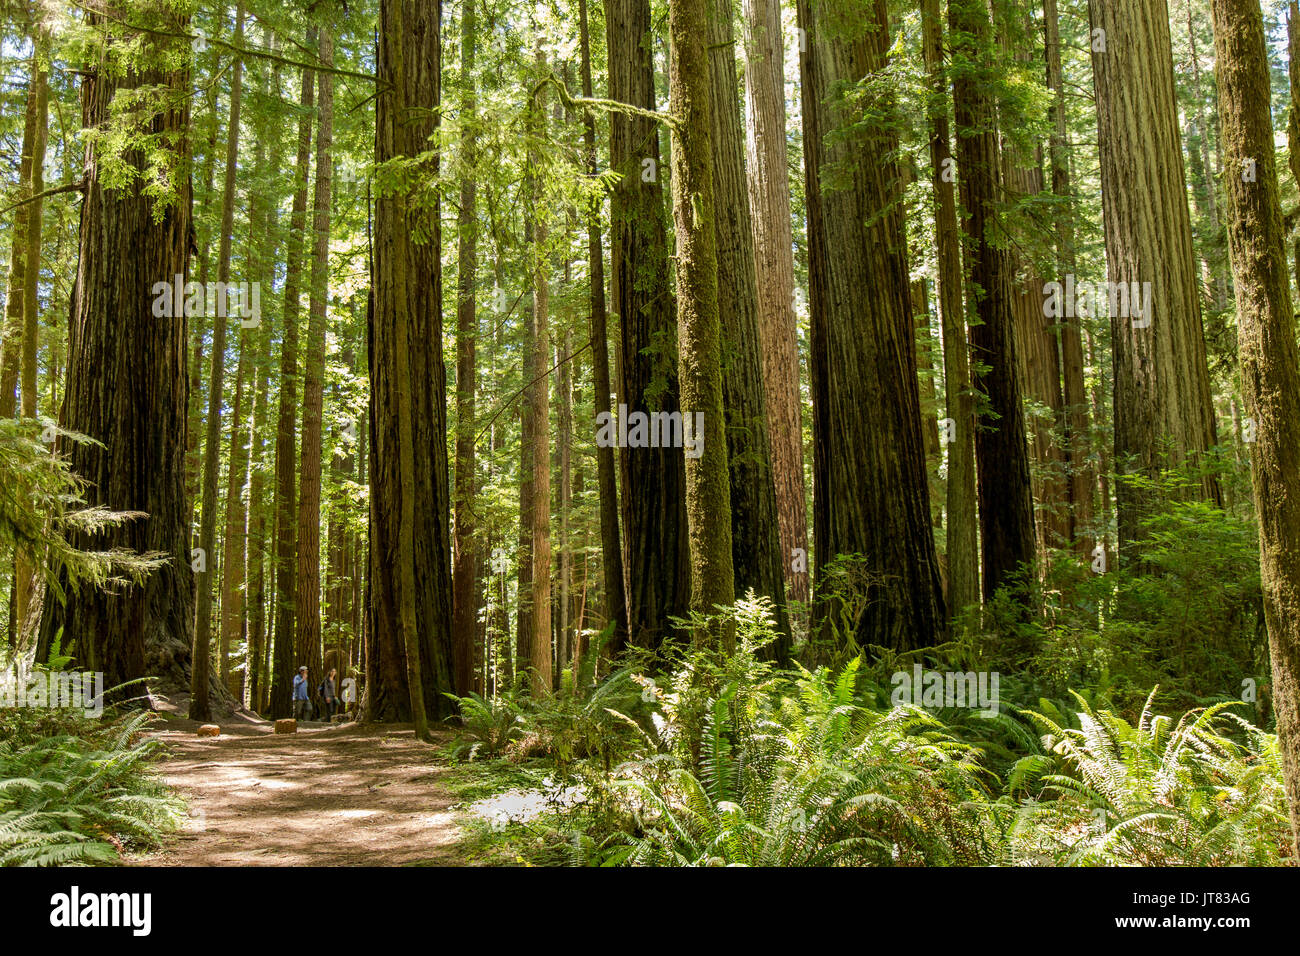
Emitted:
<point x="327" y="692"/>
<point x="300" y="701"/>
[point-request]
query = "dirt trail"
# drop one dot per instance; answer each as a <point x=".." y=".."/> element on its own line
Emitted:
<point x="329" y="796"/>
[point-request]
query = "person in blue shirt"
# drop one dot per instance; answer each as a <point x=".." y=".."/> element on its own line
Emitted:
<point x="300" y="700"/>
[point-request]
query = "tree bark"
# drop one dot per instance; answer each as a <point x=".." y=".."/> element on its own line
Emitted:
<point x="1163" y="409"/>
<point x="127" y="385"/>
<point x="286" y="458"/>
<point x="756" y="554"/>
<point x="1002" y="462"/>
<point x="539" y="396"/>
<point x="610" y="546"/>
<point x="11" y="342"/>
<point x="871" y="498"/>
<point x="962" y="527"/>
<point x="467" y="570"/>
<point x="769" y="200"/>
<point x="1270" y="361"/>
<point x="307" y="610"/>
<point x="24" y="584"/>
<point x="1078" y="442"/>
<point x="207" y="580"/>
<point x="699" y="327"/>
<point x="654" y="480"/>
<point x="408" y="655"/>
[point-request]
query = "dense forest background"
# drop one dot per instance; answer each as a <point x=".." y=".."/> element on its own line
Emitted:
<point x="500" y="356"/>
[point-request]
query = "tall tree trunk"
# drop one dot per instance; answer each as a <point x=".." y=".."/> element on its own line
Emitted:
<point x="307" y="615"/>
<point x="24" y="585"/>
<point x="654" y="479"/>
<point x="962" y="528"/>
<point x="262" y="264"/>
<point x="567" y="370"/>
<point x="699" y="330"/>
<point x="284" y="664"/>
<point x="408" y="657"/>
<point x="756" y="554"/>
<point x="127" y="386"/>
<point x="529" y="442"/>
<point x="610" y="547"/>
<point x="769" y="200"/>
<point x="467" y="571"/>
<point x="1163" y="409"/>
<point x="234" y="539"/>
<point x="871" y="497"/>
<point x="25" y="215"/>
<point x="1216" y="269"/>
<point x="1293" y="117"/>
<point x="207" y="580"/>
<point x="193" y="461"/>
<point x="1270" y="361"/>
<point x="1078" y="444"/>
<point x="1005" y="499"/>
<point x="539" y="391"/>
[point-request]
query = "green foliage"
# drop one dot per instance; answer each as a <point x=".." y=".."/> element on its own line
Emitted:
<point x="1154" y="793"/>
<point x="77" y="791"/>
<point x="42" y="512"/>
<point x="1183" y="610"/>
<point x="486" y="725"/>
<point x="744" y="764"/>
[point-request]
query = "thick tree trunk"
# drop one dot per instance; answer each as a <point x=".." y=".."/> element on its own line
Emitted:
<point x="1163" y="409"/>
<point x="769" y="200"/>
<point x="307" y="610"/>
<point x="1005" y="498"/>
<point x="127" y="386"/>
<point x="699" y="330"/>
<point x="1270" y="361"/>
<point x="408" y="655"/>
<point x="870" y="491"/>
<point x="654" y="479"/>
<point x="207" y="579"/>
<point x="756" y="554"/>
<point x="255" y="557"/>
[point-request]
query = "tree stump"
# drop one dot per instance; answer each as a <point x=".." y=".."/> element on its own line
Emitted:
<point x="286" y="726"/>
<point x="209" y="730"/>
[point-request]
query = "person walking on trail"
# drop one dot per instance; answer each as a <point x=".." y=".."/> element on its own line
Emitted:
<point x="300" y="699"/>
<point x="327" y="693"/>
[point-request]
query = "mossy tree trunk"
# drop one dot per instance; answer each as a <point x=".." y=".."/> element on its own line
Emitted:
<point x="1270" y="360"/>
<point x="699" y="327"/>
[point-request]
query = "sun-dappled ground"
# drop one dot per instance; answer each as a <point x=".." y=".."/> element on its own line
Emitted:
<point x="351" y="795"/>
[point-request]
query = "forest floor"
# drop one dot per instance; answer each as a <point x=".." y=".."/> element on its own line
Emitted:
<point x="347" y="795"/>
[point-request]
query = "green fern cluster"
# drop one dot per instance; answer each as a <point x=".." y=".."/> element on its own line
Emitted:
<point x="42" y="512"/>
<point x="487" y="725"/>
<point x="816" y="779"/>
<point x="1205" y="790"/>
<point x="80" y="797"/>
